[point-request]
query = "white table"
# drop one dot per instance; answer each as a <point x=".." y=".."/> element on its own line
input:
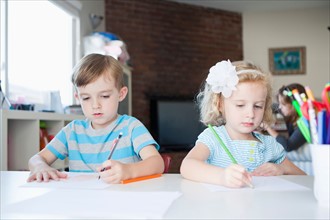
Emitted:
<point x="197" y="202"/>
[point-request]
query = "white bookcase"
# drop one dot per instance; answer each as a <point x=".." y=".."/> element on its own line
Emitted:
<point x="20" y="136"/>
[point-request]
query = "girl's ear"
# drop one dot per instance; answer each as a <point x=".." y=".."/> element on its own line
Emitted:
<point x="220" y="104"/>
<point x="122" y="93"/>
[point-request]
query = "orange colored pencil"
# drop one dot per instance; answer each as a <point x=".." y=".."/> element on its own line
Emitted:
<point x="141" y="178"/>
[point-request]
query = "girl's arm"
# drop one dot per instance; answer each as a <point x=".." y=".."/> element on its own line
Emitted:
<point x="195" y="168"/>
<point x="293" y="142"/>
<point x="40" y="168"/>
<point x="272" y="169"/>
<point x="290" y="169"/>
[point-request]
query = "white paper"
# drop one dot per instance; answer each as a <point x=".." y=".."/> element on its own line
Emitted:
<point x="262" y="183"/>
<point x="93" y="204"/>
<point x="73" y="181"/>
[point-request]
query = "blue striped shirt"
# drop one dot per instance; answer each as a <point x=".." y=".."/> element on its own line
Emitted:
<point x="250" y="154"/>
<point x="87" y="148"/>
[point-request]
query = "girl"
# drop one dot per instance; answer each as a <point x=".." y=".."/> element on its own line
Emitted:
<point x="296" y="138"/>
<point x="294" y="142"/>
<point x="235" y="100"/>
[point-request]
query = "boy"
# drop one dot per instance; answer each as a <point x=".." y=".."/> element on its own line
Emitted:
<point x="98" y="80"/>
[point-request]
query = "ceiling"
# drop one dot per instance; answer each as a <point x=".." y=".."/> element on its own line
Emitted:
<point x="257" y="5"/>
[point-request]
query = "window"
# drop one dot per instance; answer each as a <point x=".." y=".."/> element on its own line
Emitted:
<point x="39" y="47"/>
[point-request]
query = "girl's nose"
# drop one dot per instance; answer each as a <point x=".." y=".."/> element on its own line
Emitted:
<point x="250" y="113"/>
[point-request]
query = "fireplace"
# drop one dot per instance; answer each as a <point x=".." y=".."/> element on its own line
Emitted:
<point x="175" y="123"/>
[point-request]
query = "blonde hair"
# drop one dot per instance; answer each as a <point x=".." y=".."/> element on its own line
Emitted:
<point x="209" y="102"/>
<point x="92" y="66"/>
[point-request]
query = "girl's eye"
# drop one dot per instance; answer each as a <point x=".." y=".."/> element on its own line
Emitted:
<point x="239" y="106"/>
<point x="260" y="107"/>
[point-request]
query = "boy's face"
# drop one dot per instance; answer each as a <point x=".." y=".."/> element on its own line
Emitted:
<point x="244" y="109"/>
<point x="100" y="100"/>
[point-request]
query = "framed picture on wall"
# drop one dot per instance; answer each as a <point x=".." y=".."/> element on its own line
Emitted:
<point x="287" y="60"/>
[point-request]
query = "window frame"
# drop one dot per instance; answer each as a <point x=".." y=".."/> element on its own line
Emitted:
<point x="72" y="7"/>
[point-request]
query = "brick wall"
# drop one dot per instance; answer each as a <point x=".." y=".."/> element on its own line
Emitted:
<point x="172" y="46"/>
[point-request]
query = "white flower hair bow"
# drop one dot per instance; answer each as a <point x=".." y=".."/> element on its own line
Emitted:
<point x="223" y="78"/>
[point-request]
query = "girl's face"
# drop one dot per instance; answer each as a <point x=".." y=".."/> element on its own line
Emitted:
<point x="100" y="100"/>
<point x="244" y="109"/>
<point x="286" y="108"/>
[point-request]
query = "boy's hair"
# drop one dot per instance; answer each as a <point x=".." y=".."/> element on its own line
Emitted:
<point x="92" y="66"/>
<point x="283" y="93"/>
<point x="209" y="102"/>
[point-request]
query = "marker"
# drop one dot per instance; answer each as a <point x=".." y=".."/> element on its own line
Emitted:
<point x="312" y="122"/>
<point x="297" y="108"/>
<point x="322" y="128"/>
<point x="294" y="102"/>
<point x="304" y="128"/>
<point x="141" y="178"/>
<point x="309" y="93"/>
<point x="227" y="151"/>
<point x="114" y="145"/>
<point x="303" y="97"/>
<point x="296" y="95"/>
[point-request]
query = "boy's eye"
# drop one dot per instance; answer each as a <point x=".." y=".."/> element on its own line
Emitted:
<point x="105" y="96"/>
<point x="84" y="98"/>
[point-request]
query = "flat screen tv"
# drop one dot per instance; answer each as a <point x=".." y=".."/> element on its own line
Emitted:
<point x="175" y="123"/>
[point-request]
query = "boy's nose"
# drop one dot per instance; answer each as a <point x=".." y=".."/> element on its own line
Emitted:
<point x="96" y="104"/>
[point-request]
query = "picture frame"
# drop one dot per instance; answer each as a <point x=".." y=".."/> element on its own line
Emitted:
<point x="287" y="60"/>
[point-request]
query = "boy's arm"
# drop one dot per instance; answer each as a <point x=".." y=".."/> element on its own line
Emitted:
<point x="152" y="163"/>
<point x="40" y="168"/>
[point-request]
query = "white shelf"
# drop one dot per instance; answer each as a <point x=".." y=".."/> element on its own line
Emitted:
<point x="20" y="136"/>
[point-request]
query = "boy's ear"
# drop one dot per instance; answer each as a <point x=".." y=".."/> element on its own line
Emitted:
<point x="122" y="93"/>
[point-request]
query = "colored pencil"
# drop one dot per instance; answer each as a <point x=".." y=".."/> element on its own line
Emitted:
<point x="141" y="178"/>
<point x="114" y="145"/>
<point x="227" y="151"/>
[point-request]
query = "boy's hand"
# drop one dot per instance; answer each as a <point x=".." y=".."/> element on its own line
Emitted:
<point x="45" y="173"/>
<point x="236" y="176"/>
<point x="268" y="169"/>
<point x="115" y="171"/>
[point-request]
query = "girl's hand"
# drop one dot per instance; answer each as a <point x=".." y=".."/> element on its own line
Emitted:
<point x="235" y="176"/>
<point x="268" y="169"/>
<point x="115" y="171"/>
<point x="45" y="173"/>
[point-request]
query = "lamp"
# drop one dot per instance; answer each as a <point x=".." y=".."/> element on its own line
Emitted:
<point x="95" y="20"/>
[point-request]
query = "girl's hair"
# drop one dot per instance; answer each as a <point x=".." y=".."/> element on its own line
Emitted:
<point x="92" y="66"/>
<point x="209" y="102"/>
<point x="283" y="93"/>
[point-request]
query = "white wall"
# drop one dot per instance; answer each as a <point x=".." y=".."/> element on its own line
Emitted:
<point x="94" y="7"/>
<point x="88" y="7"/>
<point x="308" y="27"/>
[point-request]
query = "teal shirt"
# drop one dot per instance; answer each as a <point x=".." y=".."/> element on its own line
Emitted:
<point x="250" y="154"/>
<point x="86" y="148"/>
